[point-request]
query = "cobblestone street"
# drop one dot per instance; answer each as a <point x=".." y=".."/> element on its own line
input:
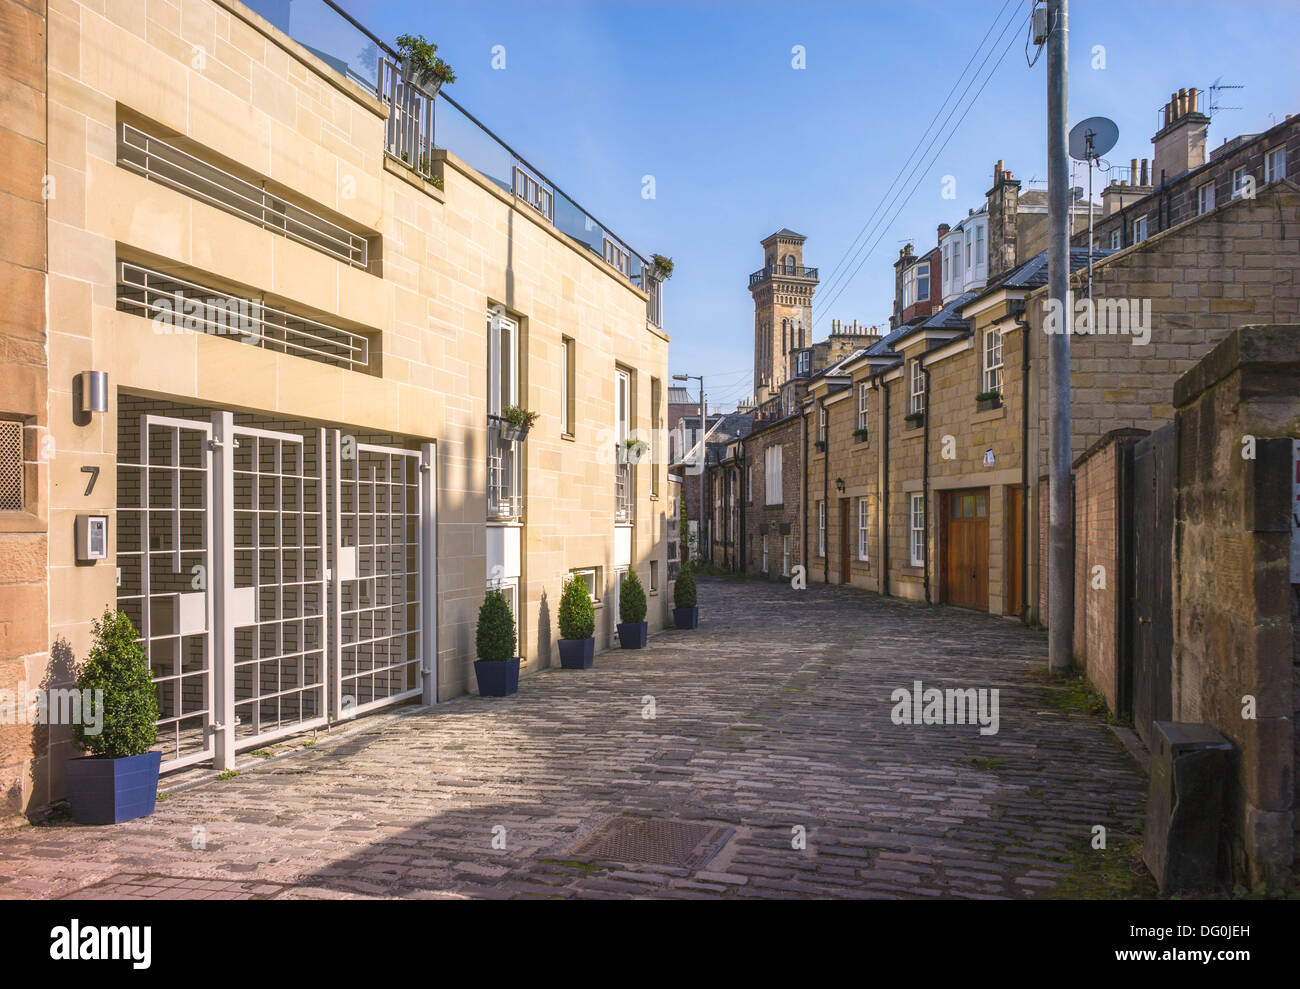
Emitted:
<point x="773" y="716"/>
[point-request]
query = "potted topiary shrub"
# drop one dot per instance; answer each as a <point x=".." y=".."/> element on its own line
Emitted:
<point x="577" y="626"/>
<point x="663" y="267"/>
<point x="421" y="66"/>
<point x="118" y="781"/>
<point x="514" y="422"/>
<point x="686" y="614"/>
<point x="632" y="627"/>
<point x="497" y="666"/>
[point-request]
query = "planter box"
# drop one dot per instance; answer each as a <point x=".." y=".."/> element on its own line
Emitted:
<point x="109" y="791"/>
<point x="509" y="431"/>
<point x="577" y="654"/>
<point x="686" y="617"/>
<point x="497" y="679"/>
<point x="988" y="404"/>
<point x="633" y="635"/>
<point x="913" y="423"/>
<point x="421" y="78"/>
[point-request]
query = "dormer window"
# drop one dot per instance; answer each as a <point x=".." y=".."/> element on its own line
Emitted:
<point x="916" y="284"/>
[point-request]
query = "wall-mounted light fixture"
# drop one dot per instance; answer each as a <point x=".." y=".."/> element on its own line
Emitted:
<point x="94" y="391"/>
<point x="839" y="485"/>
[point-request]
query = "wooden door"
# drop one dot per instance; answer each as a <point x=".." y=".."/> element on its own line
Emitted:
<point x="966" y="548"/>
<point x="846" y="545"/>
<point x="1015" y="542"/>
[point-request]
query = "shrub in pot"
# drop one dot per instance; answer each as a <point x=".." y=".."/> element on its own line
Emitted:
<point x="686" y="614"/>
<point x="118" y="781"/>
<point x="497" y="666"/>
<point x="632" y="627"/>
<point x="421" y="66"/>
<point x="515" y="422"/>
<point x="577" y="626"/>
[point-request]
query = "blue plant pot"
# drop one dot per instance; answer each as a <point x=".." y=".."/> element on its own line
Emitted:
<point x="686" y="617"/>
<point x="103" y="790"/>
<point x="633" y="635"/>
<point x="577" y="654"/>
<point x="497" y="679"/>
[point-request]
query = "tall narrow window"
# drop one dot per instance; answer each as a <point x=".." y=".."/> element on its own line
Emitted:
<point x="12" y="467"/>
<point x="923" y="282"/>
<point x="993" y="360"/>
<point x="1205" y="198"/>
<point x="1139" y="230"/>
<point x="785" y="556"/>
<point x="655" y="432"/>
<point x="821" y="423"/>
<point x="916" y="525"/>
<point x="863" y="390"/>
<point x="1275" y="165"/>
<point x="624" y="500"/>
<point x="504" y="482"/>
<point x="979" y="244"/>
<point x="821" y="528"/>
<point x="1238" y="181"/>
<point x="862" y="529"/>
<point x="568" y="378"/>
<point x="916" y="391"/>
<point x="774" y="493"/>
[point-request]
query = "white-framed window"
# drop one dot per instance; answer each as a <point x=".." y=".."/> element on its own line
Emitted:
<point x="916" y="528"/>
<point x="764" y="553"/>
<point x="509" y="588"/>
<point x="654" y="576"/>
<point x="863" y="390"/>
<point x="805" y="362"/>
<point x="947" y="268"/>
<point x="1238" y="181"/>
<point x="979" y="244"/>
<point x="821" y="528"/>
<point x="503" y="358"/>
<point x="1275" y="165"/>
<point x="1114" y="239"/>
<point x="773" y="488"/>
<point x="863" y="528"/>
<point x="1139" y="230"/>
<point x="993" y="360"/>
<point x="1204" y="198"/>
<point x="821" y="423"/>
<point x="590" y="577"/>
<point x="785" y="556"/>
<point x="505" y="483"/>
<point x="916" y="284"/>
<point x="970" y="234"/>
<point x="956" y="261"/>
<point x="916" y="387"/>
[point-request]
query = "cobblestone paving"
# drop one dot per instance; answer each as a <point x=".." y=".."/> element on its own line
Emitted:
<point x="773" y="715"/>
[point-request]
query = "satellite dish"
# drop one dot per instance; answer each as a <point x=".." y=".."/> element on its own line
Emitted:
<point x="1092" y="138"/>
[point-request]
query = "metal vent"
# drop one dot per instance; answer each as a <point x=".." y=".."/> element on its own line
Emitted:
<point x="11" y="465"/>
<point x="654" y="842"/>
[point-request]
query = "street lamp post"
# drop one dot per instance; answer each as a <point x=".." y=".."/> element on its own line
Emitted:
<point x="699" y="539"/>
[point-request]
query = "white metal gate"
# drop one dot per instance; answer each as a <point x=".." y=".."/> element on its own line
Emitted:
<point x="278" y="579"/>
<point x="164" y="535"/>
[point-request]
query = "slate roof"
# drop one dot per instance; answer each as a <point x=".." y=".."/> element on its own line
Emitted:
<point x="1033" y="273"/>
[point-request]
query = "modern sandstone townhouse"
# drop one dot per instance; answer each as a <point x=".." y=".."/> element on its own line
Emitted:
<point x="290" y="298"/>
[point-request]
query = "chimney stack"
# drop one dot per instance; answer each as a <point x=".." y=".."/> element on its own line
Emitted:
<point x="1180" y="142"/>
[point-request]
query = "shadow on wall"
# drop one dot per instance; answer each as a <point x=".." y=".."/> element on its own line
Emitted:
<point x="543" y="630"/>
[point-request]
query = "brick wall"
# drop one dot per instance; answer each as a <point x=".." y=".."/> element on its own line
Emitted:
<point x="25" y="773"/>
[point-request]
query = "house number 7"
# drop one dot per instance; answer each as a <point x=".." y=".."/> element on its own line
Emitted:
<point x="94" y="476"/>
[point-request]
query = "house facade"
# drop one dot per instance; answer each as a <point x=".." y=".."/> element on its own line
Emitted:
<point x="285" y="328"/>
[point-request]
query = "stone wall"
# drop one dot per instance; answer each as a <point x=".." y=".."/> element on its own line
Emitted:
<point x="25" y="775"/>
<point x="1234" y="642"/>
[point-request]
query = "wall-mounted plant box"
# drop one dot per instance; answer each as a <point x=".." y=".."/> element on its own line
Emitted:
<point x="914" y="420"/>
<point x="987" y="401"/>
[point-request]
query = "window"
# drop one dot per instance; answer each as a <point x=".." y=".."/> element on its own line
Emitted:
<point x="821" y="528"/>
<point x="805" y="362"/>
<point x="504" y="483"/>
<point x="969" y="234"/>
<point x="774" y="490"/>
<point x="947" y="267"/>
<point x="624" y="500"/>
<point x="956" y="261"/>
<point x="764" y="570"/>
<point x="863" y="389"/>
<point x="1114" y="239"/>
<point x="655" y="434"/>
<point x="509" y="588"/>
<point x="749" y="485"/>
<point x="1139" y="230"/>
<point x="862" y="528"/>
<point x="821" y="423"/>
<point x="785" y="556"/>
<point x="1238" y="181"/>
<point x="979" y="244"/>
<point x="1275" y="165"/>
<point x="916" y="390"/>
<point x="589" y="577"/>
<point x="12" y="468"/>
<point x="917" y="530"/>
<point x="1205" y="198"/>
<point x="916" y="284"/>
<point x="993" y="360"/>
<point x="567" y="382"/>
<point x="654" y="576"/>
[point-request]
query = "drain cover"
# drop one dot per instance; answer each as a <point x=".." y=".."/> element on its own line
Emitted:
<point x="648" y="841"/>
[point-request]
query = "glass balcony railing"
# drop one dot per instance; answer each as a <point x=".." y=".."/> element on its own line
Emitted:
<point x="418" y="126"/>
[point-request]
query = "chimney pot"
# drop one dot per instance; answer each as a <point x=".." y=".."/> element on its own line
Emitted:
<point x="1193" y="99"/>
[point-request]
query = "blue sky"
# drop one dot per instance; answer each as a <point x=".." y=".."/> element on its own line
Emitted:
<point x="703" y="97"/>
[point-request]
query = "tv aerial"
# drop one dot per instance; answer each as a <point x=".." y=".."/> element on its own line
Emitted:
<point x="1089" y="140"/>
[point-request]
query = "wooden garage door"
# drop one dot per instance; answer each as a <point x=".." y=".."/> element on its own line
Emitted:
<point x="966" y="548"/>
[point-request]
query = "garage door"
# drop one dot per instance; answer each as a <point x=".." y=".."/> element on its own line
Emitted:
<point x="966" y="548"/>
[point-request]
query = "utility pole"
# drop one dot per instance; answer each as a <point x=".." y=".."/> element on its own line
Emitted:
<point x="1060" y="568"/>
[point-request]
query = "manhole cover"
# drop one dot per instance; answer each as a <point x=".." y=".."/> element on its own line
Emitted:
<point x="648" y="841"/>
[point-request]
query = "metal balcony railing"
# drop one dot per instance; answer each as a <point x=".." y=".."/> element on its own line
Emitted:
<point x="623" y="493"/>
<point x="504" y="488"/>
<point x="783" y="271"/>
<point x="162" y="162"/>
<point x="177" y="306"/>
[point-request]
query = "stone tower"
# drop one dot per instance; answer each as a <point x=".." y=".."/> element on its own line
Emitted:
<point x="783" y="290"/>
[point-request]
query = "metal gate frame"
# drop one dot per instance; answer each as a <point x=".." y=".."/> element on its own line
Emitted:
<point x="220" y="439"/>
